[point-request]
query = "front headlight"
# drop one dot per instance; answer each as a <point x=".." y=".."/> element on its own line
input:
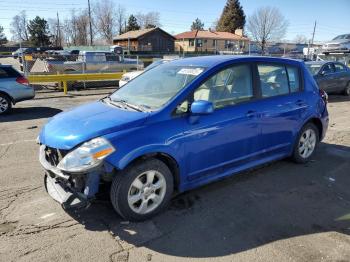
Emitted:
<point x="88" y="155"/>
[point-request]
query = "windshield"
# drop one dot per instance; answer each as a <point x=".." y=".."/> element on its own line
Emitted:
<point x="154" y="64"/>
<point x="313" y="69"/>
<point x="339" y="37"/>
<point x="157" y="86"/>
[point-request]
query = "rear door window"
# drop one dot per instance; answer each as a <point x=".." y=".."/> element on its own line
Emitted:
<point x="8" y="72"/>
<point x="273" y="80"/>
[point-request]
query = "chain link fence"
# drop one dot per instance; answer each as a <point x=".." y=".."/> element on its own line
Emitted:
<point x="63" y="62"/>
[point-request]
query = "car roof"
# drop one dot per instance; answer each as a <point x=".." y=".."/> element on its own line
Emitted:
<point x="2" y="65"/>
<point x="211" y="61"/>
<point x="99" y="51"/>
<point x="318" y="62"/>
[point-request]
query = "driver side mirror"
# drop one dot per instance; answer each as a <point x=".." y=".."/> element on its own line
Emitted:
<point x="202" y="107"/>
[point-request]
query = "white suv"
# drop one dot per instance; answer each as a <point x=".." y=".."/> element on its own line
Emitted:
<point x="340" y="44"/>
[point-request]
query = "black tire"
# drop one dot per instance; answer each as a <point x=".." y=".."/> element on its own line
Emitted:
<point x="296" y="156"/>
<point x="6" y="104"/>
<point x="122" y="183"/>
<point x="347" y="90"/>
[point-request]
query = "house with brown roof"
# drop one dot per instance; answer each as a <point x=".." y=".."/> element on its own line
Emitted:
<point x="211" y="41"/>
<point x="146" y="40"/>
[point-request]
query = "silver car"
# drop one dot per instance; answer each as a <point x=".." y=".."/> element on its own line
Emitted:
<point x="340" y="44"/>
<point x="14" y="88"/>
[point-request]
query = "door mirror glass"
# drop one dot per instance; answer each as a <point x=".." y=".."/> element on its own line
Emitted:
<point x="202" y="107"/>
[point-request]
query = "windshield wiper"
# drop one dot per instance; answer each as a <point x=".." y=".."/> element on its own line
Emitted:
<point x="114" y="103"/>
<point x="135" y="107"/>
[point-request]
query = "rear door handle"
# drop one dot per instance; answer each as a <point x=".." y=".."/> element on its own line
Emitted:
<point x="251" y="114"/>
<point x="300" y="102"/>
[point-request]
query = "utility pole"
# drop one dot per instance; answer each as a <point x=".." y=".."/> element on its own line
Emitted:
<point x="90" y="22"/>
<point x="310" y="44"/>
<point x="313" y="34"/>
<point x="58" y="42"/>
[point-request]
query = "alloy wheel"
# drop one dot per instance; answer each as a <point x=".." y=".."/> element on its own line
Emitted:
<point x="4" y="105"/>
<point x="307" y="143"/>
<point x="147" y="192"/>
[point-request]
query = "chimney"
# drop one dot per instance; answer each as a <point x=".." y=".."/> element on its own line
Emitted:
<point x="239" y="32"/>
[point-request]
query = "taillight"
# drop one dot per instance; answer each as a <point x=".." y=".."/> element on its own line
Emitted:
<point x="22" y="80"/>
<point x="324" y="95"/>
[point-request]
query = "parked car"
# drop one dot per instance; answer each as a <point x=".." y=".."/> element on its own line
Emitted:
<point x="340" y="44"/>
<point x="23" y="51"/>
<point x="94" y="61"/>
<point x="14" y="88"/>
<point x="181" y="125"/>
<point x="332" y="77"/>
<point x="131" y="75"/>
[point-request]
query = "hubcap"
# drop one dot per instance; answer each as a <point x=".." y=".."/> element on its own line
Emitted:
<point x="307" y="143"/>
<point x="147" y="192"/>
<point x="3" y="105"/>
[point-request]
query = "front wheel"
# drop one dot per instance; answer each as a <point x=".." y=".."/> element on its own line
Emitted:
<point x="306" y="143"/>
<point x="142" y="190"/>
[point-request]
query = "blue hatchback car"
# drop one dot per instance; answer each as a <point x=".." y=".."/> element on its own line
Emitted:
<point x="181" y="125"/>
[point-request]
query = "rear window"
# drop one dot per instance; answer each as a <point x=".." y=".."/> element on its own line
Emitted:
<point x="339" y="68"/>
<point x="8" y="72"/>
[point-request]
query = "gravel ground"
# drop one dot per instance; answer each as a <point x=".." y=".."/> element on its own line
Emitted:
<point x="279" y="212"/>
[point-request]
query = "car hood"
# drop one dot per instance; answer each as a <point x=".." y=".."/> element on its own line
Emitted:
<point x="71" y="128"/>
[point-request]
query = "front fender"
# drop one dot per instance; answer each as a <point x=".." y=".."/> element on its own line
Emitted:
<point x="120" y="162"/>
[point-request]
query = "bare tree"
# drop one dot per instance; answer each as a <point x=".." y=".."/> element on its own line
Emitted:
<point x="19" y="27"/>
<point x="267" y="24"/>
<point x="76" y="28"/>
<point x="105" y="19"/>
<point x="148" y="20"/>
<point x="56" y="31"/>
<point x="69" y="29"/>
<point x="82" y="28"/>
<point x="121" y="18"/>
<point x="300" y="39"/>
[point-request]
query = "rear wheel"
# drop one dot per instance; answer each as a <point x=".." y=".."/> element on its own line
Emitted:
<point x="347" y="90"/>
<point x="306" y="143"/>
<point x="142" y="190"/>
<point x="5" y="104"/>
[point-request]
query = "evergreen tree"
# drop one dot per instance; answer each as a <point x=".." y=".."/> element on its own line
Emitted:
<point x="132" y="24"/>
<point x="232" y="17"/>
<point x="197" y="25"/>
<point x="38" y="29"/>
<point x="3" y="39"/>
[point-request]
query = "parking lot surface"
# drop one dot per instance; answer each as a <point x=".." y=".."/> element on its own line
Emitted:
<point x="279" y="212"/>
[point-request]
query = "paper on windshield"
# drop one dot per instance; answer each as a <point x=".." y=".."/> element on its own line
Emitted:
<point x="190" y="71"/>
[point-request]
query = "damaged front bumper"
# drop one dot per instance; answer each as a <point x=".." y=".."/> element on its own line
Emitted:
<point x="70" y="190"/>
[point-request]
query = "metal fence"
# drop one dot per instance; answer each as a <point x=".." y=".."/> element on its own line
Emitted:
<point x="64" y="70"/>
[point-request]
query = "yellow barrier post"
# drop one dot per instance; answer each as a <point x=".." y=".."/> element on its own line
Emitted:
<point x="65" y="87"/>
